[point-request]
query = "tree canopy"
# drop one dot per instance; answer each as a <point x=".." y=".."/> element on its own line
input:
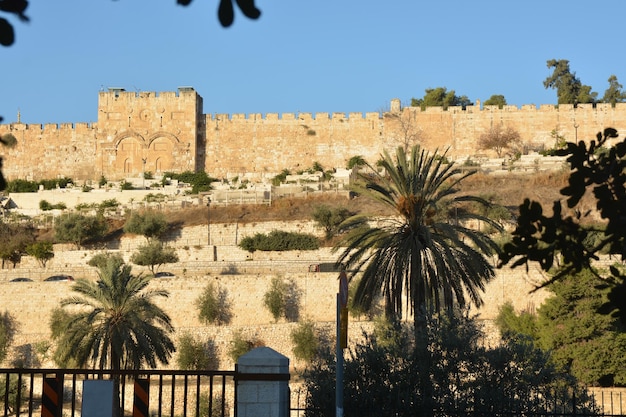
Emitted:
<point x="499" y="139"/>
<point x="116" y="326"/>
<point x="225" y="14"/>
<point x="441" y="97"/>
<point x="422" y="253"/>
<point x="561" y="242"/>
<point x="78" y="229"/>
<point x="150" y="224"/>
<point x="614" y="93"/>
<point x="569" y="89"/>
<point x="153" y="255"/>
<point x="495" y="100"/>
<point x="581" y="342"/>
<point x="14" y="239"/>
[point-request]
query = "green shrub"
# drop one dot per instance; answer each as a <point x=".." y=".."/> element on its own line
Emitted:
<point x="279" y="241"/>
<point x="15" y="388"/>
<point x="240" y="346"/>
<point x="195" y="355"/>
<point x="154" y="198"/>
<point x="275" y="298"/>
<point x="150" y="224"/>
<point x="101" y="260"/>
<point x="125" y="185"/>
<point x="216" y="404"/>
<point x="280" y="178"/>
<point x="43" y="251"/>
<point x="330" y="218"/>
<point x="213" y="306"/>
<point x="8" y="329"/>
<point x="51" y="184"/>
<point x="305" y="342"/>
<point x="46" y="206"/>
<point x="447" y="370"/>
<point x="22" y="186"/>
<point x="199" y="181"/>
<point x="85" y="206"/>
<point x="78" y="229"/>
<point x="111" y="203"/>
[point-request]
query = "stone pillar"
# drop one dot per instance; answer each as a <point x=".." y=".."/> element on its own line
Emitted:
<point x="263" y="384"/>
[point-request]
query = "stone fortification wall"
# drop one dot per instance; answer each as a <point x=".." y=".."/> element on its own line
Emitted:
<point x="239" y="144"/>
<point x="146" y="131"/>
<point x="135" y="132"/>
<point x="31" y="303"/>
<point x="244" y="277"/>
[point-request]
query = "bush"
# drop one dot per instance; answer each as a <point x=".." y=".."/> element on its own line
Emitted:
<point x="199" y="181"/>
<point x="305" y="343"/>
<point x="216" y="405"/>
<point x="109" y="204"/>
<point x="195" y="355"/>
<point x="101" y="260"/>
<point x="22" y="186"/>
<point x="213" y="306"/>
<point x="78" y="229"/>
<point x="46" y="206"/>
<point x="447" y="371"/>
<point x="8" y="328"/>
<point x="16" y="390"/>
<point x="125" y="185"/>
<point x="153" y="255"/>
<point x="51" y="184"/>
<point x="150" y="224"/>
<point x="275" y="298"/>
<point x="329" y="218"/>
<point x="280" y="241"/>
<point x="43" y="251"/>
<point x="240" y="346"/>
<point x="280" y="178"/>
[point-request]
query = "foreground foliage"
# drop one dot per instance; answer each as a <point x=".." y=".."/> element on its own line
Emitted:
<point x="561" y="241"/>
<point x="588" y="345"/>
<point x="445" y="372"/>
<point x="424" y="257"/>
<point x="114" y="323"/>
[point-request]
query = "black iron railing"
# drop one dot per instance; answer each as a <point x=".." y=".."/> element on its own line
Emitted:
<point x="147" y="393"/>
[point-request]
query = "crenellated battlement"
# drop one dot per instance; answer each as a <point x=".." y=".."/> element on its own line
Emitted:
<point x="48" y="127"/>
<point x="140" y="131"/>
<point x="353" y="116"/>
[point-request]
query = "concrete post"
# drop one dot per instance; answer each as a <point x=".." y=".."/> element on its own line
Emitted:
<point x="263" y="384"/>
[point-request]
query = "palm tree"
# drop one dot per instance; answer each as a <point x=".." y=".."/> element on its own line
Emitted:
<point x="114" y="323"/>
<point x="420" y="253"/>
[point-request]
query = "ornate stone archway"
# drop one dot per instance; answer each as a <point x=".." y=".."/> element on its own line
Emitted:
<point x="129" y="154"/>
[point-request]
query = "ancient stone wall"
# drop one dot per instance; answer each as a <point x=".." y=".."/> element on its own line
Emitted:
<point x="244" y="278"/>
<point x="167" y="131"/>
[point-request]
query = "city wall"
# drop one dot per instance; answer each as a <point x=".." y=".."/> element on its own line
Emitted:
<point x="31" y="303"/>
<point x="168" y="131"/>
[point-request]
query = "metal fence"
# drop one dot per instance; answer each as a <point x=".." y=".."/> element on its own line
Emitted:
<point x="145" y="393"/>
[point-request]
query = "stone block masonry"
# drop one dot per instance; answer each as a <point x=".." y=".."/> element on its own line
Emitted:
<point x="243" y="277"/>
<point x="168" y="131"/>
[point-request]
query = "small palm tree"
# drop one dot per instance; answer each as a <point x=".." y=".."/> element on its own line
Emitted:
<point x="421" y="252"/>
<point x="114" y="323"/>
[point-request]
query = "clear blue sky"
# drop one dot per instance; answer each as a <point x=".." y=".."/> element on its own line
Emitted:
<point x="303" y="56"/>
